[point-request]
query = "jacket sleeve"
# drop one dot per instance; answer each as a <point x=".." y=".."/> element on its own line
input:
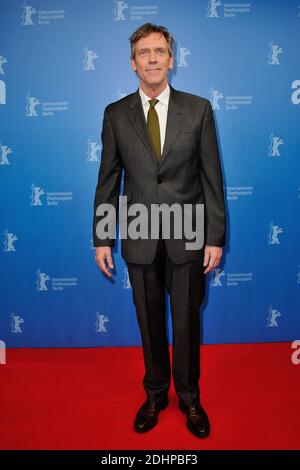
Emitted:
<point x="109" y="178"/>
<point x="212" y="182"/>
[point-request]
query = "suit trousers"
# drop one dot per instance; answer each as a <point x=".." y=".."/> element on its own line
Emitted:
<point x="185" y="284"/>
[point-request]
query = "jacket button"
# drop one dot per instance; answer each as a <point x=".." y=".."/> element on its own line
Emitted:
<point x="159" y="179"/>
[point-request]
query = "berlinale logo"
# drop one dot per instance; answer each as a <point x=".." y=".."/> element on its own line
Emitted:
<point x="27" y="13"/>
<point x="118" y="11"/>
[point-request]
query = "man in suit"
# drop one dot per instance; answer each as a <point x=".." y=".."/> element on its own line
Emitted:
<point x="165" y="141"/>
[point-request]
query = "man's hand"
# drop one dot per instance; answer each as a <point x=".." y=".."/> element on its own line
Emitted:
<point x="104" y="253"/>
<point x="212" y="256"/>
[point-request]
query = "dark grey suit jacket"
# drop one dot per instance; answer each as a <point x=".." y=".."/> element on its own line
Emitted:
<point x="189" y="170"/>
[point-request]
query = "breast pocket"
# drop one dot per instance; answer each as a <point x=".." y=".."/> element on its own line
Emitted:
<point x="187" y="135"/>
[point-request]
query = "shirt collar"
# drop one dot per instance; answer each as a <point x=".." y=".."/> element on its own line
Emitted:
<point x="163" y="97"/>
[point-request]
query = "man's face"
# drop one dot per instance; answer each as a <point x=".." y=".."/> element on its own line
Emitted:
<point x="152" y="61"/>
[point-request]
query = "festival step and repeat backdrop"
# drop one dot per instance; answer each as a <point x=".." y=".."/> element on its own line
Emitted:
<point x="61" y="63"/>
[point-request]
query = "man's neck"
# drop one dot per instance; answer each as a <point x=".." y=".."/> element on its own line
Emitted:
<point x="153" y="90"/>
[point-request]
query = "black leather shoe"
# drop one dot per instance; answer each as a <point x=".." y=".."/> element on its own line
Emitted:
<point x="147" y="416"/>
<point x="196" y="419"/>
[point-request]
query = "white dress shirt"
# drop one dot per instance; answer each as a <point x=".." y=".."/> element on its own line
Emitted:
<point x="161" y="108"/>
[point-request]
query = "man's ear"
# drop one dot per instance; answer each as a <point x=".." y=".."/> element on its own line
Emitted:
<point x="171" y="63"/>
<point x="133" y="66"/>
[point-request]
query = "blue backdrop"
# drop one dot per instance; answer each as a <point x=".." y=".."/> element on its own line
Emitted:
<point x="61" y="63"/>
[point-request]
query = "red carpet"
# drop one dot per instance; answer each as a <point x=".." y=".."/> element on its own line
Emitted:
<point x="87" y="399"/>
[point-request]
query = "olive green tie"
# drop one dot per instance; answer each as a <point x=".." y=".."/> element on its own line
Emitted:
<point x="153" y="126"/>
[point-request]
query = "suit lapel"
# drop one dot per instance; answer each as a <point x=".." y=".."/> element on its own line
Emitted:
<point x="174" y="120"/>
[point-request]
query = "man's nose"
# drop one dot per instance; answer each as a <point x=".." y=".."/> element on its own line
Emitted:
<point x="152" y="57"/>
